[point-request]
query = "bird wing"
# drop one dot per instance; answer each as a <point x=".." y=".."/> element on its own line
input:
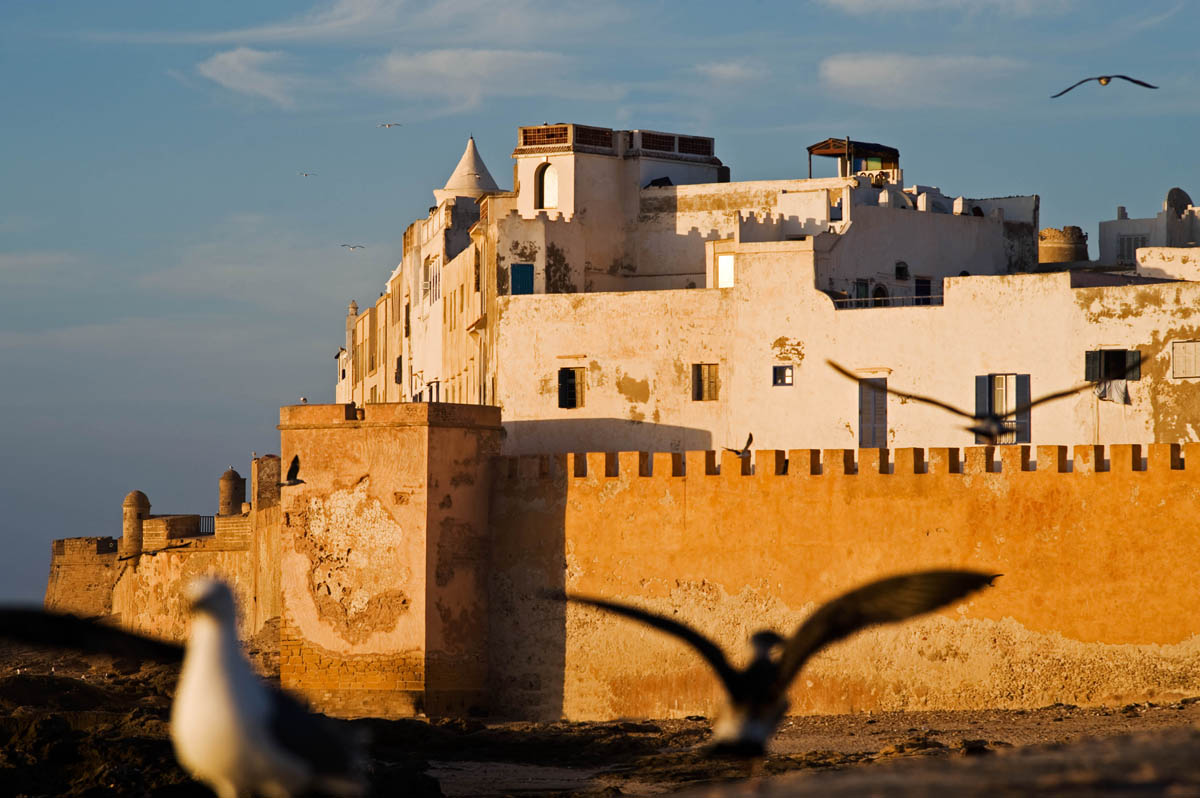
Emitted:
<point x="705" y="647"/>
<point x="64" y="631"/>
<point x="313" y="738"/>
<point x="294" y="468"/>
<point x="883" y="601"/>
<point x="1073" y="85"/>
<point x="902" y="394"/>
<point x="749" y="440"/>
<point x="1047" y="398"/>
<point x="1135" y="80"/>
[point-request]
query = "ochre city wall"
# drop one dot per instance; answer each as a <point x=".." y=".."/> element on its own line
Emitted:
<point x="1097" y="546"/>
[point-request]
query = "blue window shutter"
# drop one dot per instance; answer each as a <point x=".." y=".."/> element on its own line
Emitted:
<point x="1091" y="366"/>
<point x="1023" y="417"/>
<point x="522" y="278"/>
<point x="1133" y="364"/>
<point x="983" y="401"/>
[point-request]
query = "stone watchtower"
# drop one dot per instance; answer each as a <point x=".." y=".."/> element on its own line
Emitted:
<point x="231" y="493"/>
<point x="1062" y="246"/>
<point x="134" y="510"/>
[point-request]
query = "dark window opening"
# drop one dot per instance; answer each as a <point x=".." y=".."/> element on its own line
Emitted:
<point x="407" y="325"/>
<point x="570" y="387"/>
<point x="880" y="297"/>
<point x="705" y="383"/>
<point x="901" y="270"/>
<point x="1001" y="394"/>
<point x="922" y="289"/>
<point x="872" y="413"/>
<point x="862" y="290"/>
<point x="399" y="375"/>
<point x="781" y="375"/>
<point x="343" y="374"/>
<point x="977" y="211"/>
<point x="1112" y="364"/>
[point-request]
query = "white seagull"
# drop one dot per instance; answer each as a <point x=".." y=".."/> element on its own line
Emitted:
<point x="758" y="693"/>
<point x="230" y="730"/>
<point x="353" y="247"/>
<point x="389" y="124"/>
<point x="743" y="452"/>
<point x="307" y="174"/>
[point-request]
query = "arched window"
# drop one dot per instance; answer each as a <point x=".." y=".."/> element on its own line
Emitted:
<point x="545" y="187"/>
<point x="880" y="297"/>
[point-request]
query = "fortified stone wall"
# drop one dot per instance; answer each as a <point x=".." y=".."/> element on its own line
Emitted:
<point x="82" y="574"/>
<point x="1096" y="605"/>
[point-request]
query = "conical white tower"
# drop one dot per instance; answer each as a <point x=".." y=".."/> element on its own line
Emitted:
<point x="471" y="177"/>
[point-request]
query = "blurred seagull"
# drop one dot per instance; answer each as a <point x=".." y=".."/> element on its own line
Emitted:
<point x="230" y="730"/>
<point x="758" y="693"/>
<point x="743" y="452"/>
<point x="307" y="174"/>
<point x="990" y="426"/>
<point x="353" y="247"/>
<point x="292" y="474"/>
<point x="303" y="400"/>
<point x="1103" y="80"/>
<point x="389" y="124"/>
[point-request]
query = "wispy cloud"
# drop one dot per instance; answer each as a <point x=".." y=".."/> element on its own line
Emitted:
<point x="1021" y="8"/>
<point x="462" y="78"/>
<point x="35" y="268"/>
<point x="737" y="71"/>
<point x="243" y="70"/>
<point x="897" y="80"/>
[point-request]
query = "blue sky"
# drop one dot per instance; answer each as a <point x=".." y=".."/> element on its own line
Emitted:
<point x="167" y="279"/>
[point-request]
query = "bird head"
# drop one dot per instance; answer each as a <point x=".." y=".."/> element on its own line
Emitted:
<point x="764" y="642"/>
<point x="210" y="597"/>
<point x="1105" y="80"/>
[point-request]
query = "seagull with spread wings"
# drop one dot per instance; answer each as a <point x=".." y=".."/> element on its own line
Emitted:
<point x="990" y="426"/>
<point x="389" y="124"/>
<point x="743" y="452"/>
<point x="307" y="174"/>
<point x="353" y="247"/>
<point x="230" y="730"/>
<point x="293" y="474"/>
<point x="758" y="693"/>
<point x="1104" y="80"/>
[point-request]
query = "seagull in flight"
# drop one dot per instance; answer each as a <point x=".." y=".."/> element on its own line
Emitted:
<point x="389" y="124"/>
<point x="1104" y="80"/>
<point x="230" y="730"/>
<point x="307" y="174"/>
<point x="293" y="474"/>
<point x="757" y="694"/>
<point x="990" y="426"/>
<point x="743" y="452"/>
<point x="353" y="247"/>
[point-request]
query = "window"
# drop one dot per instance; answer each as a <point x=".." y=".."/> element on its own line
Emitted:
<point x="901" y="270"/>
<point x="1127" y="247"/>
<point x="781" y="375"/>
<point x="872" y="413"/>
<point x="343" y="374"/>
<point x="371" y="341"/>
<point x="724" y="271"/>
<point x="374" y="395"/>
<point x="522" y="278"/>
<point x="398" y="377"/>
<point x="880" y="297"/>
<point x="1185" y="359"/>
<point x="570" y="387"/>
<point x="1001" y="394"/>
<point x="435" y="394"/>
<point x="705" y="382"/>
<point x="407" y="325"/>
<point x="922" y="290"/>
<point x="862" y="290"/>
<point x="545" y="187"/>
<point x="1112" y="364"/>
<point x="478" y="262"/>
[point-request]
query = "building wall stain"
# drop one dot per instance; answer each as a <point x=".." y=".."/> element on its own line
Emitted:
<point x="356" y="573"/>
<point x="787" y="349"/>
<point x="558" y="272"/>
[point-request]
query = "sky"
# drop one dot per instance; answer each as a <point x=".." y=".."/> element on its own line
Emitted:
<point x="168" y="279"/>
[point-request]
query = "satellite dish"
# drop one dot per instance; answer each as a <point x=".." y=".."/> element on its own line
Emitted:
<point x="1177" y="201"/>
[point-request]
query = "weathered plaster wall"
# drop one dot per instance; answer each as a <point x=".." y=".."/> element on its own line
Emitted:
<point x="1075" y="618"/>
<point x="1175" y="263"/>
<point x="374" y="567"/>
<point x="82" y="574"/>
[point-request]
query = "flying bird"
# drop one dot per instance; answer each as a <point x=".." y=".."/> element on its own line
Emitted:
<point x="307" y="174"/>
<point x="230" y="730"/>
<point x="1104" y="80"/>
<point x="990" y="426"/>
<point x="757" y="694"/>
<point x="353" y="247"/>
<point x="293" y="474"/>
<point x="389" y="124"/>
<point x="743" y="452"/>
<point x="303" y="400"/>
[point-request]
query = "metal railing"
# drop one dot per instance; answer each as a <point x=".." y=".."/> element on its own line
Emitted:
<point x="205" y="525"/>
<point x="888" y="302"/>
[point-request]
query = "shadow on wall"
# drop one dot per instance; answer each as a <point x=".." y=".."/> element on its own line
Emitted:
<point x="600" y="435"/>
<point x="527" y="631"/>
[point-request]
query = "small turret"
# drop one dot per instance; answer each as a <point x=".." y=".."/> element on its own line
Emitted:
<point x="134" y="510"/>
<point x="231" y="493"/>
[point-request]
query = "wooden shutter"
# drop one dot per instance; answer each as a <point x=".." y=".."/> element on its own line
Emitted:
<point x="983" y="401"/>
<point x="1091" y="366"/>
<point x="1133" y="364"/>
<point x="1023" y="419"/>
<point x="710" y="382"/>
<point x="872" y="412"/>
